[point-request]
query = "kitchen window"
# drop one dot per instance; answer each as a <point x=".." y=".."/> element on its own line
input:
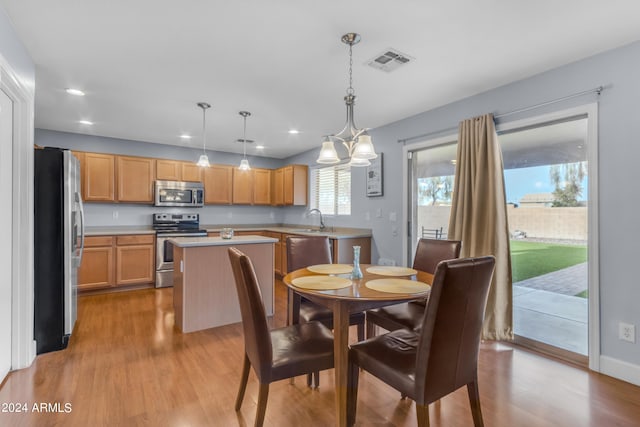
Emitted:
<point x="331" y="189"/>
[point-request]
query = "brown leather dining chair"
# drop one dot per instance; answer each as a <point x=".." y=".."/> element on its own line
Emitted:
<point x="442" y="355"/>
<point x="278" y="353"/>
<point x="303" y="251"/>
<point x="409" y="315"/>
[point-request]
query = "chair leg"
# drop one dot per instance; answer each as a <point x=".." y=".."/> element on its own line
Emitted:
<point x="263" y="394"/>
<point x="422" y="411"/>
<point x="316" y="379"/>
<point x="474" y="401"/>
<point x="243" y="382"/>
<point x="352" y="393"/>
<point x="310" y="380"/>
<point x="361" y="331"/>
<point x="371" y="329"/>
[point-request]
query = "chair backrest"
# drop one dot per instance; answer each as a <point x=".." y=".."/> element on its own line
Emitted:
<point x="431" y="251"/>
<point x="257" y="339"/>
<point x="450" y="338"/>
<point x="303" y="251"/>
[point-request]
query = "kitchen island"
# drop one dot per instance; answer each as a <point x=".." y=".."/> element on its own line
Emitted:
<point x="204" y="292"/>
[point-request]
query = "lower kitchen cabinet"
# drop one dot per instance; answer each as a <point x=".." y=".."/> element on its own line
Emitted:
<point x="117" y="261"/>
<point x="135" y="259"/>
<point x="96" y="270"/>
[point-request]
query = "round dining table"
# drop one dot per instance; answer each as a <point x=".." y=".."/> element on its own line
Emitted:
<point x="353" y="298"/>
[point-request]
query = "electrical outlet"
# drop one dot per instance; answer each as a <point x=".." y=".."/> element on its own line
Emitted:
<point x="627" y="332"/>
<point x="115" y="214"/>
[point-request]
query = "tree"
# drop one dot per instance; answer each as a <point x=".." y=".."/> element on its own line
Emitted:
<point x="567" y="179"/>
<point x="437" y="188"/>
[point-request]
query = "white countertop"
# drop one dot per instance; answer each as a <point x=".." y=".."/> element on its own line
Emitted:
<point x="192" y="242"/>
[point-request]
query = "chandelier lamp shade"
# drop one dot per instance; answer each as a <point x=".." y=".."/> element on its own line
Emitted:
<point x="244" y="163"/>
<point x="203" y="161"/>
<point x="356" y="141"/>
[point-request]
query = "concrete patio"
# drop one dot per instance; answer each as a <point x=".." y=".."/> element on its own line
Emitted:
<point x="546" y="310"/>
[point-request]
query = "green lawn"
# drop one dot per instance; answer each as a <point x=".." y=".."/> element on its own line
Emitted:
<point x="531" y="259"/>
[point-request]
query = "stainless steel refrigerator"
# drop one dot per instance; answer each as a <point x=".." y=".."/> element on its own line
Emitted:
<point x="58" y="246"/>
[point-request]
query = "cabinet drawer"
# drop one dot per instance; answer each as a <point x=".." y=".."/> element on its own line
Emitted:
<point x="95" y="241"/>
<point x="138" y="239"/>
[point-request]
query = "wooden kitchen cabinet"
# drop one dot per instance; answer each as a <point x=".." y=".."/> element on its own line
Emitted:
<point x="277" y="189"/>
<point x="175" y="170"/>
<point x="190" y="172"/>
<point x="218" y="184"/>
<point x="135" y="259"/>
<point x="97" y="269"/>
<point x="295" y="184"/>
<point x="115" y="261"/>
<point x="242" y="187"/>
<point x="135" y="176"/>
<point x="262" y="186"/>
<point x="290" y="186"/>
<point x="98" y="177"/>
<point x="168" y="170"/>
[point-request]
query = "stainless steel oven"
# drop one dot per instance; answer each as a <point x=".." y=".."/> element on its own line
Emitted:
<point x="179" y="193"/>
<point x="168" y="226"/>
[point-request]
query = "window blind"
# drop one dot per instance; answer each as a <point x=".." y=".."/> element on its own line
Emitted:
<point x="332" y="190"/>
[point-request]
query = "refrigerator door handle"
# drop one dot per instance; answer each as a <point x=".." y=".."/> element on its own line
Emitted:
<point x="79" y="200"/>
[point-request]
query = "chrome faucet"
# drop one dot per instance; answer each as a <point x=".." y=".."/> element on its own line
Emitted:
<point x="310" y="211"/>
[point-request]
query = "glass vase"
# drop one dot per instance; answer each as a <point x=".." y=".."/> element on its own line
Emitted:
<point x="356" y="273"/>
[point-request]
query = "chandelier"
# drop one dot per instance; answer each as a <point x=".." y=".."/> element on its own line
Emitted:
<point x="356" y="141"/>
<point x="203" y="161"/>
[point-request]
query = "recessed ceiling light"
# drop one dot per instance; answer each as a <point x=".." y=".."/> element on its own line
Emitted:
<point x="185" y="136"/>
<point x="294" y="131"/>
<point x="260" y="147"/>
<point x="85" y="122"/>
<point x="76" y="92"/>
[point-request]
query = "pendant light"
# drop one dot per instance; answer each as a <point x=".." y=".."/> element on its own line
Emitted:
<point x="203" y="161"/>
<point x="244" y="163"/>
<point x="356" y="141"/>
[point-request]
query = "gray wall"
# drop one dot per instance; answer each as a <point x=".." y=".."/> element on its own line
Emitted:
<point x="14" y="52"/>
<point x="103" y="214"/>
<point x="619" y="151"/>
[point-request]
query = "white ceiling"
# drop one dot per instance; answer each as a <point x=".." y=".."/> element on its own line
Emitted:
<point x="144" y="64"/>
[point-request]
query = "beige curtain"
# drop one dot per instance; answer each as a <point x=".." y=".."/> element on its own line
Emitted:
<point x="479" y="216"/>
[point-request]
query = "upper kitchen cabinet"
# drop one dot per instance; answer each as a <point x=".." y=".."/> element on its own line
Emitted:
<point x="242" y="187"/>
<point x="168" y="170"/>
<point x="262" y="186"/>
<point x="174" y="170"/>
<point x="190" y="171"/>
<point x="98" y="177"/>
<point x="135" y="179"/>
<point x="218" y="182"/>
<point x="277" y="189"/>
<point x="295" y="185"/>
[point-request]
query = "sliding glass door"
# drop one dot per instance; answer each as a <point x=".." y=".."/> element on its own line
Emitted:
<point x="431" y="174"/>
<point x="547" y="169"/>
<point x="546" y="181"/>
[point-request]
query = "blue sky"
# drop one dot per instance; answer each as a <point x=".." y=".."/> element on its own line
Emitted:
<point x="519" y="182"/>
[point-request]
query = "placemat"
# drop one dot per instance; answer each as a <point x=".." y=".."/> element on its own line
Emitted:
<point x="385" y="270"/>
<point x="398" y="286"/>
<point x="331" y="268"/>
<point x="321" y="283"/>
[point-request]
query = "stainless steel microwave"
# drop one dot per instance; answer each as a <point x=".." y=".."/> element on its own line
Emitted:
<point x="179" y="193"/>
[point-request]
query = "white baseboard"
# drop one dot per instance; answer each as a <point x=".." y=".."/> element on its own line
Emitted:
<point x="620" y="369"/>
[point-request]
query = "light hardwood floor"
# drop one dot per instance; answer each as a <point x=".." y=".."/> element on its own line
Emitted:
<point x="126" y="365"/>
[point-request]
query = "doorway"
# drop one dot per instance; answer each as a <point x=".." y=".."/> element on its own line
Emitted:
<point x="546" y="183"/>
<point x="6" y="209"/>
<point x="550" y="166"/>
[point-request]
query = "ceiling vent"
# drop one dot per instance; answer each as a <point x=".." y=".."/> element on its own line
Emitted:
<point x="389" y="60"/>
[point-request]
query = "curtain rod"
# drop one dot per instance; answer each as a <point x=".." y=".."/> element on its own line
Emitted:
<point x="598" y="90"/>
